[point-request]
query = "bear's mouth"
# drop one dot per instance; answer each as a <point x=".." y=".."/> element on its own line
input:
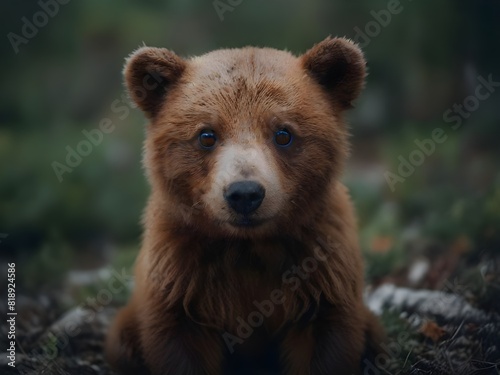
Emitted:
<point x="246" y="222"/>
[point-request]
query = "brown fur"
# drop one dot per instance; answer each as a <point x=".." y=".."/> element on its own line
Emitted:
<point x="196" y="274"/>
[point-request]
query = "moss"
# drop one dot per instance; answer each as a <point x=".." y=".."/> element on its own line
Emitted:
<point x="47" y="267"/>
<point x="403" y="344"/>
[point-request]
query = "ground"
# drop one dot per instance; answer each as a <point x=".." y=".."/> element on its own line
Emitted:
<point x="454" y="330"/>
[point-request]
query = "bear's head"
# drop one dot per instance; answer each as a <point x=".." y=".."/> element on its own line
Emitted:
<point x="244" y="142"/>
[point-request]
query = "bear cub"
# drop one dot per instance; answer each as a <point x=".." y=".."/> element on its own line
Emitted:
<point x="250" y="261"/>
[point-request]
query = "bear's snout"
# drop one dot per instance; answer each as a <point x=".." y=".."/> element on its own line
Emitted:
<point x="244" y="197"/>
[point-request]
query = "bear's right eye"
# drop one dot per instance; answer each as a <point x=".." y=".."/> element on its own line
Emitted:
<point x="283" y="138"/>
<point x="207" y="139"/>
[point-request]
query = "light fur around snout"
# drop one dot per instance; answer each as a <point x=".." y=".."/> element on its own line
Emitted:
<point x="236" y="162"/>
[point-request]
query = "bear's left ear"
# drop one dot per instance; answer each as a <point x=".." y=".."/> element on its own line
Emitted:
<point x="149" y="75"/>
<point x="339" y="66"/>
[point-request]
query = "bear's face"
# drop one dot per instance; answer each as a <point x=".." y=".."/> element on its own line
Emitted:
<point x="245" y="141"/>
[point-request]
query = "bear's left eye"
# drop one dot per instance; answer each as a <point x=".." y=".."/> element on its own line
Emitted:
<point x="283" y="138"/>
<point x="207" y="139"/>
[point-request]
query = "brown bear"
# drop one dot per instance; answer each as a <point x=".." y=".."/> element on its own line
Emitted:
<point x="250" y="261"/>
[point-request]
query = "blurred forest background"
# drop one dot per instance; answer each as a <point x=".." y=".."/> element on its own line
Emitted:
<point x="444" y="216"/>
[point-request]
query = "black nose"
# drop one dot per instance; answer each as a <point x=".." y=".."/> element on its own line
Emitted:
<point x="245" y="196"/>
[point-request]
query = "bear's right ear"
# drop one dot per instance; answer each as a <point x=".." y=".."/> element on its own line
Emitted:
<point x="149" y="74"/>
